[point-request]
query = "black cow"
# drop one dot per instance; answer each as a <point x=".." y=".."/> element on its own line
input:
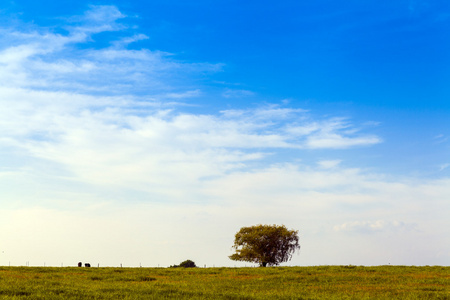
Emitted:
<point x="80" y="264"/>
<point x="87" y="265"/>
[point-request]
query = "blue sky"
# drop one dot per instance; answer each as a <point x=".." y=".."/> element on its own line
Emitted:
<point x="149" y="132"/>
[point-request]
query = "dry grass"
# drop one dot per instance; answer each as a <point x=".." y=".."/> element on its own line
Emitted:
<point x="324" y="282"/>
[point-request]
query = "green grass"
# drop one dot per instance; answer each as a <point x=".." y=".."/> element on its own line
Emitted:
<point x="323" y="282"/>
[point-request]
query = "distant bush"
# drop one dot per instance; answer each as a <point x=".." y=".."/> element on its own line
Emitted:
<point x="188" y="264"/>
<point x="185" y="264"/>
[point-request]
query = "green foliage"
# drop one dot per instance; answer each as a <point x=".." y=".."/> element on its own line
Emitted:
<point x="188" y="264"/>
<point x="185" y="264"/>
<point x="265" y="244"/>
<point x="324" y="282"/>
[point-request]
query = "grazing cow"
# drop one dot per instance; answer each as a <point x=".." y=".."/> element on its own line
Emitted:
<point x="87" y="265"/>
<point x="80" y="264"/>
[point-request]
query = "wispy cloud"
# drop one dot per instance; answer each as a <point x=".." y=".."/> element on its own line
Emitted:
<point x="328" y="164"/>
<point x="444" y="166"/>
<point x="234" y="93"/>
<point x="333" y="133"/>
<point x="40" y="58"/>
<point x="129" y="40"/>
<point x="366" y="227"/>
<point x="440" y="138"/>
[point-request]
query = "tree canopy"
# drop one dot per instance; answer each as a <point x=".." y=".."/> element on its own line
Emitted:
<point x="265" y="244"/>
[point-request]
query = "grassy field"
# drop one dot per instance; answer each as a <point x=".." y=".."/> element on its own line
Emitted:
<point x="323" y="282"/>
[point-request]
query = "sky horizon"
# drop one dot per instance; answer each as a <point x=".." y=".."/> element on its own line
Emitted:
<point x="145" y="133"/>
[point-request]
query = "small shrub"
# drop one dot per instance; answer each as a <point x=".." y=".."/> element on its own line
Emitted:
<point x="185" y="264"/>
<point x="188" y="264"/>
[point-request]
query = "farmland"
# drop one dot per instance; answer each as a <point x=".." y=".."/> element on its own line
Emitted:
<point x="321" y="282"/>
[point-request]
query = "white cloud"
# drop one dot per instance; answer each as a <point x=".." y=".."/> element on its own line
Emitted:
<point x="376" y="226"/>
<point x="42" y="59"/>
<point x="182" y="95"/>
<point x="234" y="93"/>
<point x="205" y="213"/>
<point x="334" y="133"/>
<point x="338" y="133"/>
<point x="444" y="166"/>
<point x="337" y="141"/>
<point x="98" y="18"/>
<point x="128" y="40"/>
<point x="328" y="164"/>
<point x="440" y="138"/>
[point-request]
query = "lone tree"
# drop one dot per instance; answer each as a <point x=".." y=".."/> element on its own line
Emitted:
<point x="265" y="244"/>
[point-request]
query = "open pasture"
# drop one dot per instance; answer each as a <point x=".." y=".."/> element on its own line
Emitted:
<point x="321" y="282"/>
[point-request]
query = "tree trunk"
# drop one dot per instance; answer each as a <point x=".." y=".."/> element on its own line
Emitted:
<point x="263" y="264"/>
